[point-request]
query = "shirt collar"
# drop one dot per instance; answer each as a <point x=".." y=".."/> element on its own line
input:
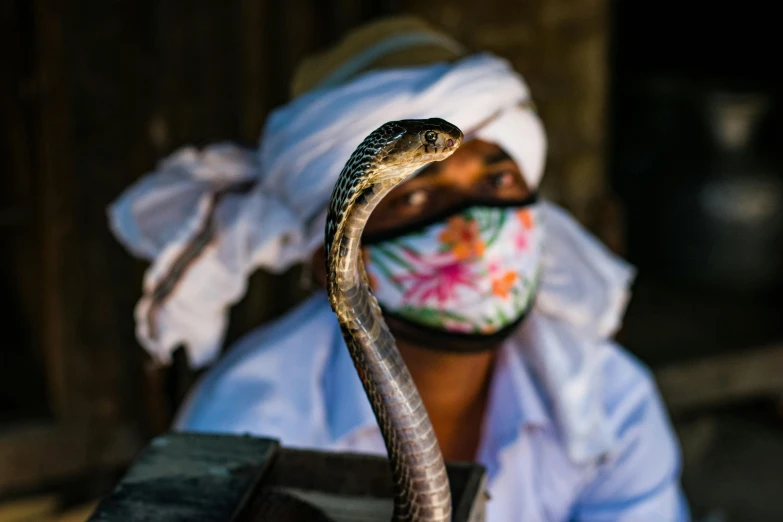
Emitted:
<point x="516" y="400"/>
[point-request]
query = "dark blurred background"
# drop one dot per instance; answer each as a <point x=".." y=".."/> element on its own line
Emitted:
<point x="665" y="129"/>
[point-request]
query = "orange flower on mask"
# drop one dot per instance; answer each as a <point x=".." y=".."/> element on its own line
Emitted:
<point x="525" y="217"/>
<point x="502" y="285"/>
<point x="463" y="238"/>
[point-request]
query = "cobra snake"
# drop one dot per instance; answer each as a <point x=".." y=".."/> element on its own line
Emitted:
<point x="385" y="158"/>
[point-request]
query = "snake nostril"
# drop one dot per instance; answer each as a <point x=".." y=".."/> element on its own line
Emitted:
<point x="451" y="142"/>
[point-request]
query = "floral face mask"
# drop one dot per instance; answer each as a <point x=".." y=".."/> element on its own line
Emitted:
<point x="473" y="274"/>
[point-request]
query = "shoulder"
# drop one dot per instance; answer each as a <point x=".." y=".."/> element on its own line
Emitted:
<point x="640" y="478"/>
<point x="627" y="381"/>
<point x="645" y="461"/>
<point x="269" y="382"/>
<point x="634" y="407"/>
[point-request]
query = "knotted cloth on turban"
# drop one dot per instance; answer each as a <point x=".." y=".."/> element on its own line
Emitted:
<point x="208" y="218"/>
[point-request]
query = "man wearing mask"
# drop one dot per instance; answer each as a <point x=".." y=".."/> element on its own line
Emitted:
<point x="501" y="304"/>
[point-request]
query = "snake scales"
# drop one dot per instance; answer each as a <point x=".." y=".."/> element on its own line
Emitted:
<point x="387" y="157"/>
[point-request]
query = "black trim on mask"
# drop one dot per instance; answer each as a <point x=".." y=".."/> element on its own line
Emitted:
<point x="444" y="341"/>
<point x="416" y="226"/>
<point x="439" y="340"/>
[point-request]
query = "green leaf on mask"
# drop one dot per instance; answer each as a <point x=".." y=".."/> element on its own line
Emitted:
<point x="523" y="300"/>
<point x="519" y="301"/>
<point x="431" y="316"/>
<point x="391" y="255"/>
<point x="497" y="227"/>
<point x="480" y="216"/>
<point x="381" y="266"/>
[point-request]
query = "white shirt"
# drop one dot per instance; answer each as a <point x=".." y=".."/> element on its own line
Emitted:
<point x="293" y="380"/>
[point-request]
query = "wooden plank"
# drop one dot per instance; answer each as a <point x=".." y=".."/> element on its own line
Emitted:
<point x="36" y="455"/>
<point x="23" y="394"/>
<point x="255" y="70"/>
<point x="188" y="477"/>
<point x="229" y="478"/>
<point x="721" y="379"/>
<point x="26" y="509"/>
<point x="74" y="514"/>
<point x="56" y="229"/>
<point x="44" y="508"/>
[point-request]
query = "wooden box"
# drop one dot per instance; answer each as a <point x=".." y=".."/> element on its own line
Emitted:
<point x="223" y="478"/>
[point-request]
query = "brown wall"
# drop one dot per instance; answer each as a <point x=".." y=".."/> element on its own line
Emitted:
<point x="99" y="91"/>
<point x="560" y="47"/>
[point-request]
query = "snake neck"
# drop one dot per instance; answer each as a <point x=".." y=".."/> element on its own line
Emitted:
<point x="345" y="271"/>
<point x="421" y="487"/>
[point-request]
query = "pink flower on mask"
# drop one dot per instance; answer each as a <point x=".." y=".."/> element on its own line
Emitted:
<point x="494" y="267"/>
<point x="455" y="326"/>
<point x="520" y="240"/>
<point x="439" y="283"/>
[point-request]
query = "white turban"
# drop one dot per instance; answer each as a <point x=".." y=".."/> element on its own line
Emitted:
<point x="207" y="219"/>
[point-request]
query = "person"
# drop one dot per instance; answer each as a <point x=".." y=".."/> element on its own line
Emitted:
<point x="502" y="305"/>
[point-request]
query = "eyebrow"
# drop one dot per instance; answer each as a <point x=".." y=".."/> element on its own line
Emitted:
<point x="496" y="157"/>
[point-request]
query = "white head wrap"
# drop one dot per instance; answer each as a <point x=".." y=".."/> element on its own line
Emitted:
<point x="208" y="218"/>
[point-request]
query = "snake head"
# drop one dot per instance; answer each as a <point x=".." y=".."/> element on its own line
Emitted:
<point x="419" y="142"/>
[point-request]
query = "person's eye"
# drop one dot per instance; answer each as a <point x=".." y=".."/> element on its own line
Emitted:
<point x="502" y="180"/>
<point x="409" y="204"/>
<point x="416" y="199"/>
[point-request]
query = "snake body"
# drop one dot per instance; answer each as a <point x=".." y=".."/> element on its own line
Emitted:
<point x="388" y="156"/>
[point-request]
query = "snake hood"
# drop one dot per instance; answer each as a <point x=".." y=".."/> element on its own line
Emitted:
<point x="392" y="153"/>
<point x="408" y="144"/>
<point x="418" y="143"/>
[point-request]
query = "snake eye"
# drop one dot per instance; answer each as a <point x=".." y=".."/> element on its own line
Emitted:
<point x="431" y="136"/>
